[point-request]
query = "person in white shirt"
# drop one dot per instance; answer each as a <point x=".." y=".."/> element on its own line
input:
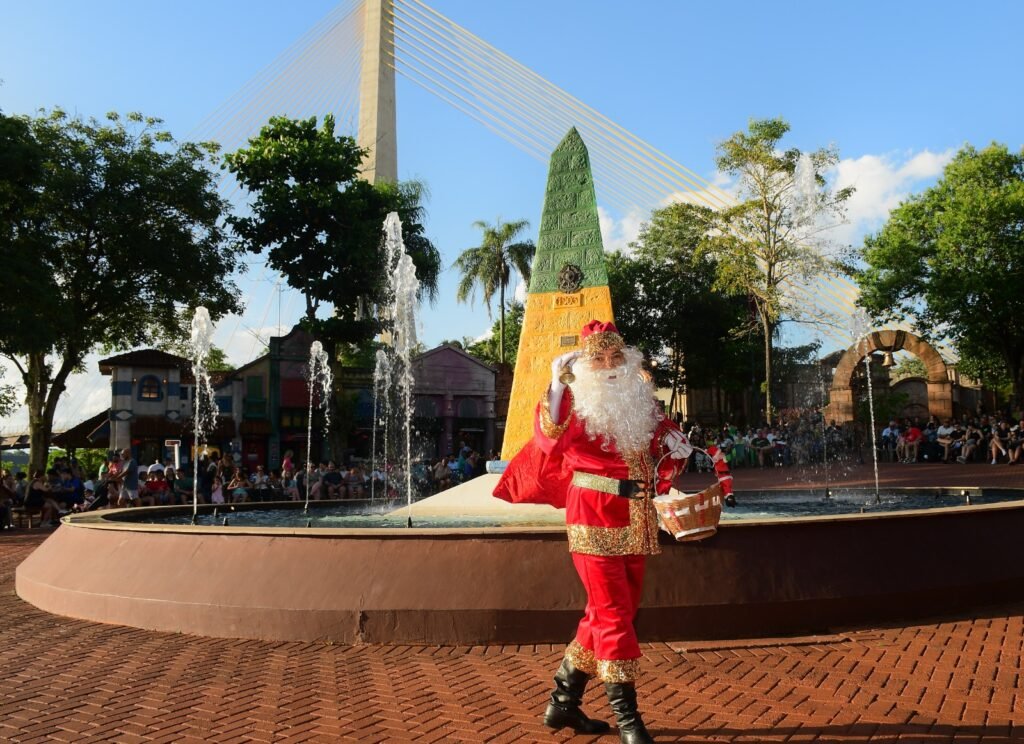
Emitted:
<point x="944" y="436"/>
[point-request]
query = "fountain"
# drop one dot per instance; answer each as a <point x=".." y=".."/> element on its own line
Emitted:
<point x="320" y="388"/>
<point x="204" y="405"/>
<point x="860" y="334"/>
<point x="403" y="289"/>
<point x="493" y="572"/>
<point x="381" y="391"/>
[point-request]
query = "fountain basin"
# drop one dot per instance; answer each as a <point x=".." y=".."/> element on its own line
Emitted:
<point x="517" y="584"/>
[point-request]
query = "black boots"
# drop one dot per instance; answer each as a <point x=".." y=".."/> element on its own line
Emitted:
<point x="631" y="726"/>
<point x="564" y="709"/>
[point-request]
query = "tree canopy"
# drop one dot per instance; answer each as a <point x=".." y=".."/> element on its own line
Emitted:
<point x="489" y="350"/>
<point x="666" y="302"/>
<point x="952" y="258"/>
<point x="774" y="238"/>
<point x="320" y="224"/>
<point x="489" y="267"/>
<point x="116" y="228"/>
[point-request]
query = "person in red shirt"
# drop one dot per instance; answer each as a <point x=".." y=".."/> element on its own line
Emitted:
<point x="601" y="450"/>
<point x="911" y="442"/>
<point x="156" y="491"/>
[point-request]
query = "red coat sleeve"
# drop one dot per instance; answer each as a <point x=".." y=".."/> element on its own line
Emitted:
<point x="535" y="475"/>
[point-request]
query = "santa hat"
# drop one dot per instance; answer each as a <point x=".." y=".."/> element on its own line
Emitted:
<point x="598" y="336"/>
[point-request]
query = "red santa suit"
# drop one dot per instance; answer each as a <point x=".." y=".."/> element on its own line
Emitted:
<point x="609" y="536"/>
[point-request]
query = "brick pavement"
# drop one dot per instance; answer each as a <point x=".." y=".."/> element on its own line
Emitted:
<point x="73" y="681"/>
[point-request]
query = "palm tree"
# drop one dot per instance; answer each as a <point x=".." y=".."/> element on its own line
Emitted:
<point x="490" y="266"/>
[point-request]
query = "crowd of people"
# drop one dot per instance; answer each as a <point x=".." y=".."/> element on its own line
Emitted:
<point x="993" y="439"/>
<point x="121" y="482"/>
<point x="802" y="438"/>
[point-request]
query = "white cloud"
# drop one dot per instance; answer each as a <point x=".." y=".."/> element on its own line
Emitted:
<point x="881" y="183"/>
<point x="617" y="234"/>
<point x="86" y="394"/>
<point x="520" y="292"/>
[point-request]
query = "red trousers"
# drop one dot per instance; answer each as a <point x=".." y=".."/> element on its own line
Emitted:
<point x="614" y="585"/>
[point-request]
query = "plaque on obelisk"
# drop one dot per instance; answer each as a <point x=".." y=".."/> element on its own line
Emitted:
<point x="568" y="284"/>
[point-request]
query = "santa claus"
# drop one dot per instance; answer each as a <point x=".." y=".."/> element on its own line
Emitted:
<point x="602" y="449"/>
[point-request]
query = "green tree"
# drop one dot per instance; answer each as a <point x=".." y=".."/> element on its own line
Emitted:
<point x="911" y="366"/>
<point x="666" y="302"/>
<point x="953" y="259"/>
<point x="489" y="349"/>
<point x="117" y="230"/>
<point x="773" y="238"/>
<point x="320" y="224"/>
<point x="8" y="397"/>
<point x="489" y="266"/>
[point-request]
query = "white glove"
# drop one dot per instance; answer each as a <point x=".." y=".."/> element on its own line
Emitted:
<point x="678" y="446"/>
<point x="557" y="386"/>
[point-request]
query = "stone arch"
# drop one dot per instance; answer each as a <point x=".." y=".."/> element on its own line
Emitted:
<point x="940" y="389"/>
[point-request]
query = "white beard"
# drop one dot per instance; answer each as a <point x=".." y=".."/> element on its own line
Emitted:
<point x="617" y="404"/>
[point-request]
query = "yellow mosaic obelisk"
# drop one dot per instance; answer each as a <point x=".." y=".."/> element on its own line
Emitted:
<point x="568" y="284"/>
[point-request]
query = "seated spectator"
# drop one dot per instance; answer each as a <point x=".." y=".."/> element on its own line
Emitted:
<point x="355" y="483"/>
<point x="170" y="476"/>
<point x="39" y="501"/>
<point x="61" y="489"/>
<point x="275" y="487"/>
<point x="890" y="440"/>
<point x="455" y="469"/>
<point x="238" y="487"/>
<point x="763" y="448"/>
<point x="971" y="444"/>
<point x="183" y="489"/>
<point x="1016" y="443"/>
<point x="333" y="482"/>
<point x="89" y="500"/>
<point x="20" y="487"/>
<point x="260" y="483"/>
<point x="378" y="481"/>
<point x="156" y="492"/>
<point x="316" y="485"/>
<point x="290" y="485"/>
<point x="781" y="446"/>
<point x="945" y="435"/>
<point x="442" y="479"/>
<point x="912" y="439"/>
<point x="8" y="494"/>
<point x="999" y="442"/>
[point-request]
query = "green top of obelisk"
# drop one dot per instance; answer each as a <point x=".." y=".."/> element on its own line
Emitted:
<point x="570" y="254"/>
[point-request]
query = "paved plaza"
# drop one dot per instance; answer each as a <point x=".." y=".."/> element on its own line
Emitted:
<point x="947" y="680"/>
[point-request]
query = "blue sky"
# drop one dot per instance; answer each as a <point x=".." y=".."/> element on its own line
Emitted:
<point x="897" y="87"/>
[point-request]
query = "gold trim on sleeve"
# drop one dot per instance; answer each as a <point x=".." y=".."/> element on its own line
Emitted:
<point x="547" y="425"/>
<point x="618" y="670"/>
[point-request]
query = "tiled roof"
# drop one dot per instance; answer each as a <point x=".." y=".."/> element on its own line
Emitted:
<point x="144" y="358"/>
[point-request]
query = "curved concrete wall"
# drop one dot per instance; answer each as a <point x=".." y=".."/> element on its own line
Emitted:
<point x="518" y="586"/>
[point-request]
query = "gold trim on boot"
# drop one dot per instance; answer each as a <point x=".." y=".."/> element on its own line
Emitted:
<point x="618" y="670"/>
<point x="581" y="657"/>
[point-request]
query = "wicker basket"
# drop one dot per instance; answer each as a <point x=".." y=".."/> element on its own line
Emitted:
<point x="690" y="516"/>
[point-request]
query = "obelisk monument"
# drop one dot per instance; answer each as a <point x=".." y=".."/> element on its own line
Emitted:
<point x="568" y="284"/>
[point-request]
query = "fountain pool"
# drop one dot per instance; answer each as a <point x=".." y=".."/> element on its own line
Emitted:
<point x="470" y="583"/>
